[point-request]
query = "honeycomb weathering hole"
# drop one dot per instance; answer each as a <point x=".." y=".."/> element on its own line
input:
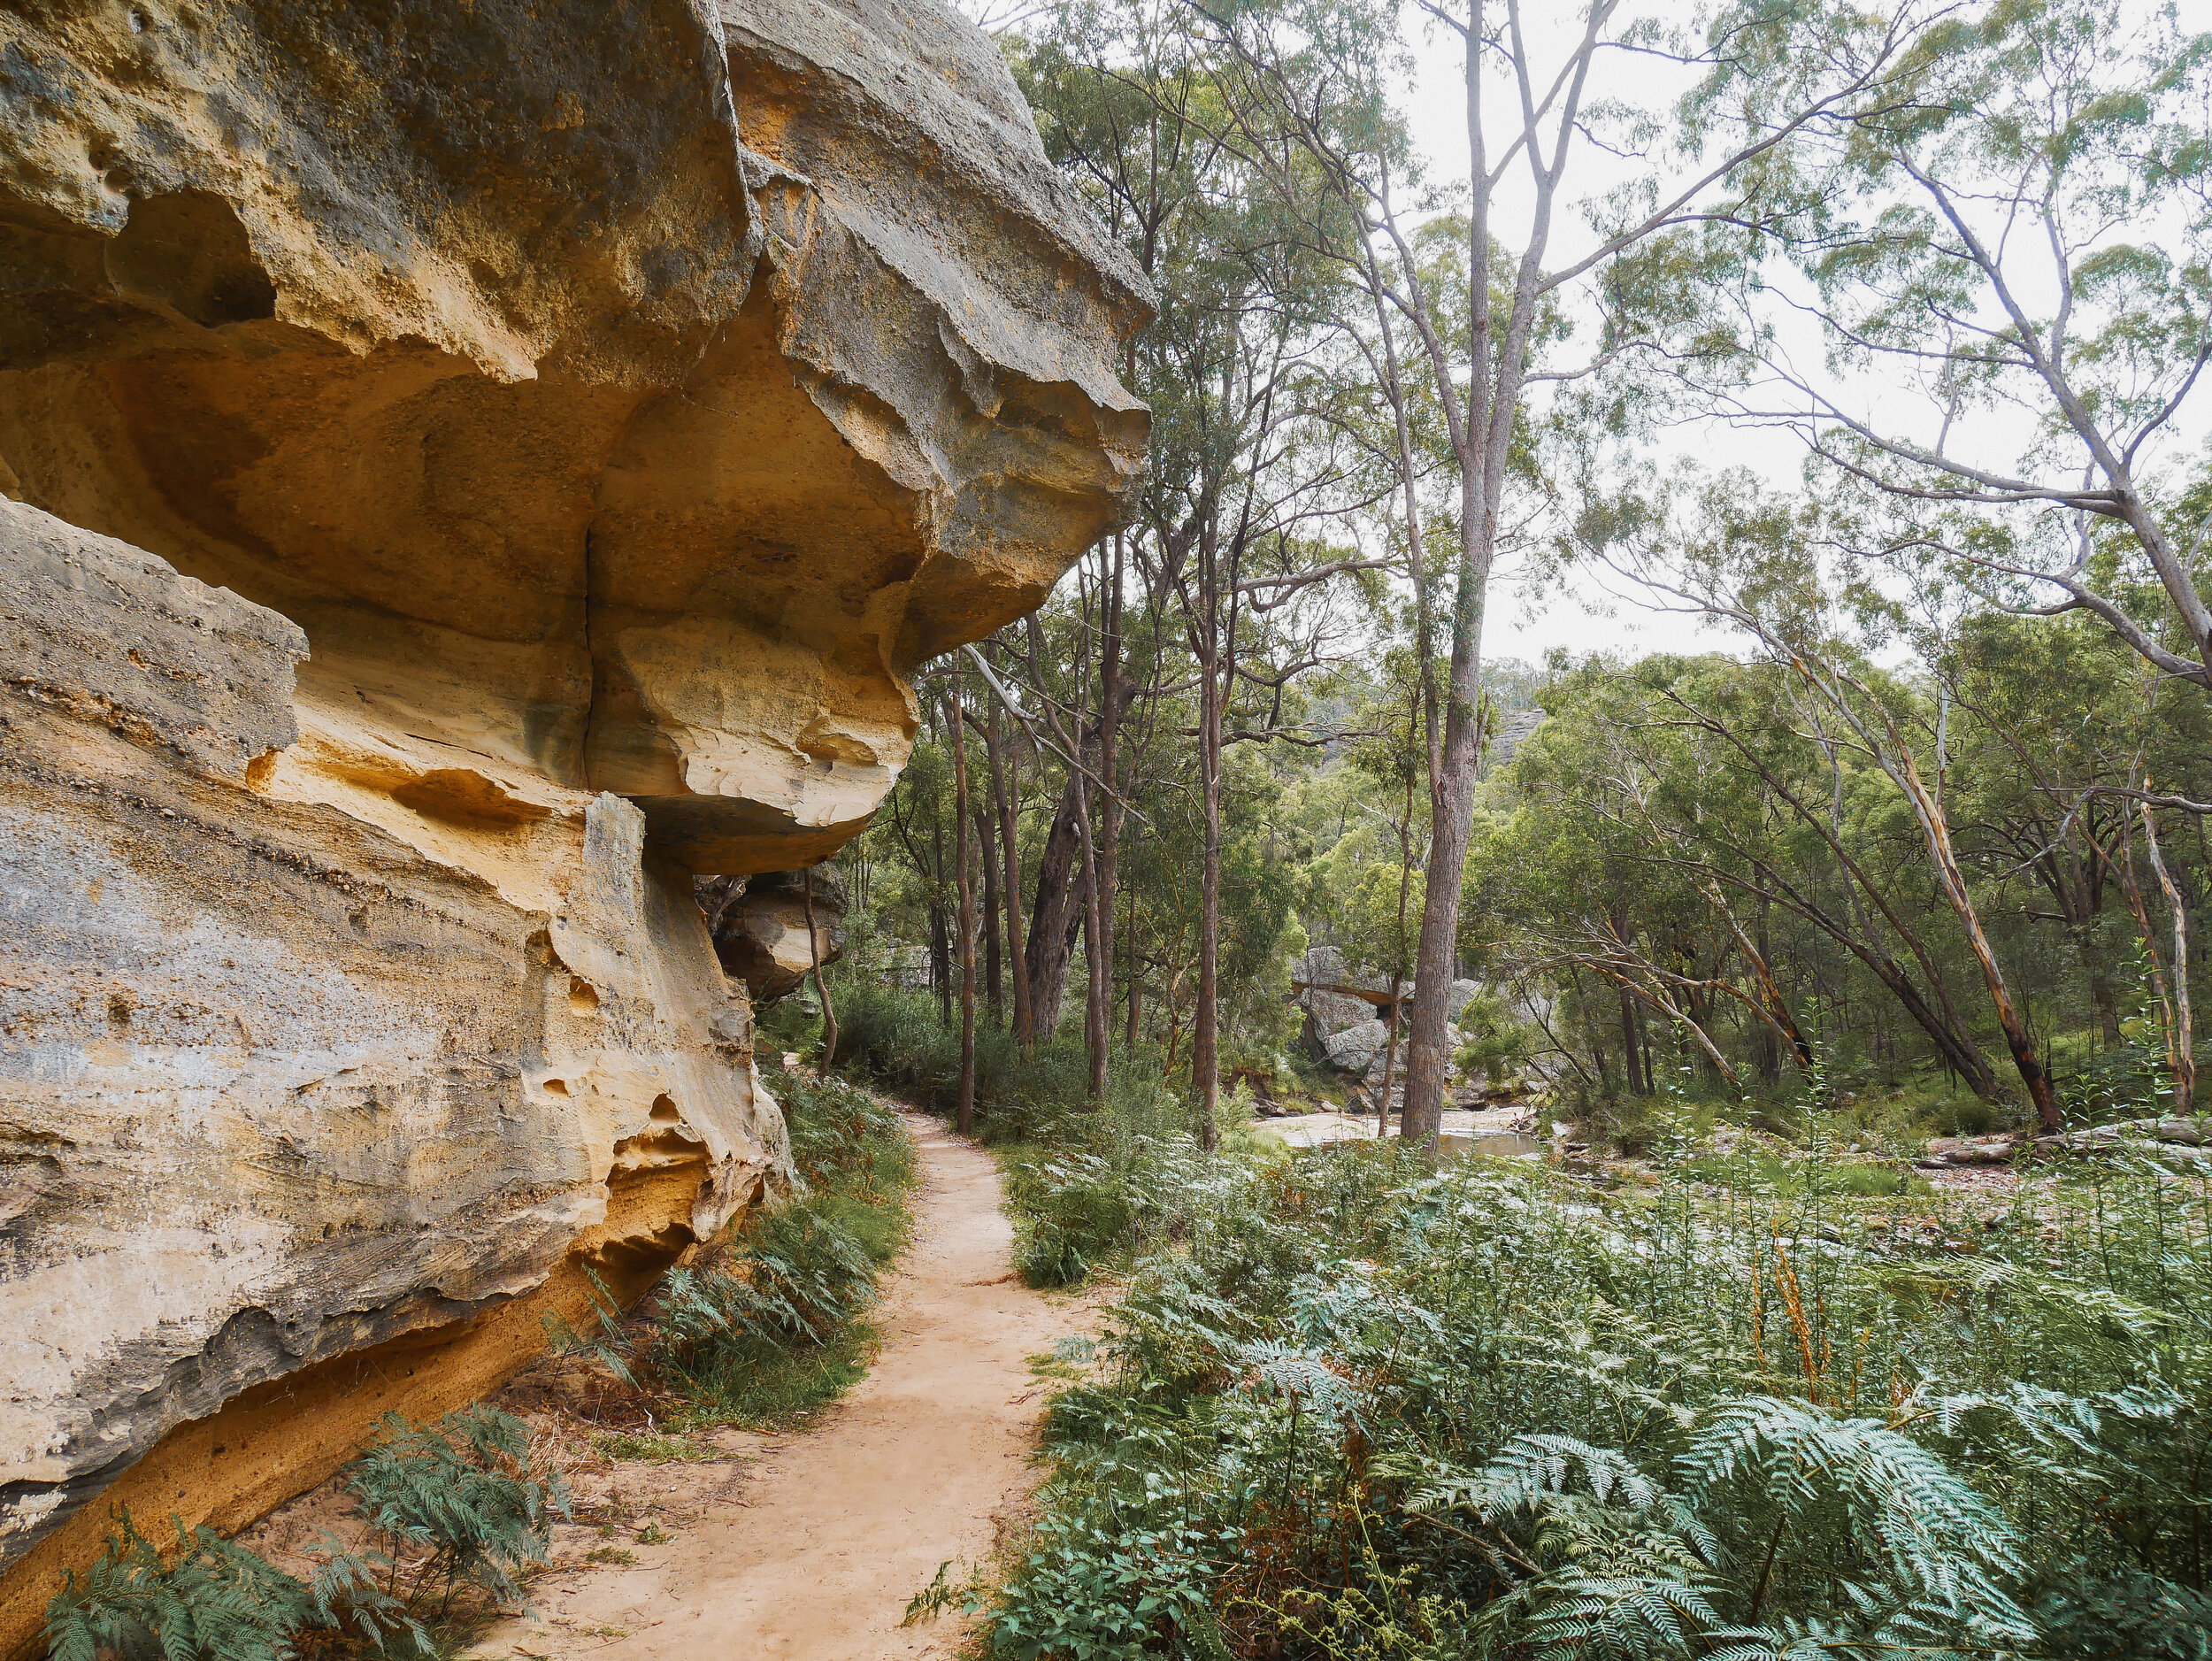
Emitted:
<point x="556" y="1087"/>
<point x="582" y="995"/>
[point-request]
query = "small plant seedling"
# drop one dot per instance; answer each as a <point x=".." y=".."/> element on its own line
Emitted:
<point x="612" y="1554"/>
<point x="654" y="1534"/>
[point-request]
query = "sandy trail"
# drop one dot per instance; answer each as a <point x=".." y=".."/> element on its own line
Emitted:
<point x="814" y="1550"/>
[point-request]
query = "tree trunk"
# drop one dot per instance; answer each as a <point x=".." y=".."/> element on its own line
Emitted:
<point x="2184" y="1038"/>
<point x="993" y="981"/>
<point x="1106" y="860"/>
<point x="1451" y="825"/>
<point x="821" y="987"/>
<point x="964" y="885"/>
<point x="1936" y="828"/>
<point x="1136" y="989"/>
<point x="1005" y="779"/>
<point x="1205" y="1037"/>
<point x="941" y="962"/>
<point x="1390" y="1057"/>
<point x="1770" y="1049"/>
<point x="1056" y="914"/>
<point x="1098" y="971"/>
<point x="1452" y="820"/>
<point x="2134" y="890"/>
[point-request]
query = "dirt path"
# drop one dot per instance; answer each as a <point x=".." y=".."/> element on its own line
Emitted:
<point x="811" y="1551"/>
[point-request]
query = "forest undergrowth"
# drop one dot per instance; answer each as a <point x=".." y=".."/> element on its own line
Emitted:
<point x="1349" y="1406"/>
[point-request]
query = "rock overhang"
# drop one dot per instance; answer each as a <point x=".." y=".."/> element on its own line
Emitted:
<point x="631" y="397"/>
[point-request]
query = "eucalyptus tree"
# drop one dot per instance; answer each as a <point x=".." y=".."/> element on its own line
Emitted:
<point x="1541" y="308"/>
<point x="1984" y="301"/>
<point x="1225" y="539"/>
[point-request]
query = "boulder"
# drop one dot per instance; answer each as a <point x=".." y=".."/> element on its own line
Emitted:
<point x="1355" y="1049"/>
<point x="1321" y="975"/>
<point x="1331" y="1012"/>
<point x="469" y="470"/>
<point x="1322" y="968"/>
<point x="760" y="927"/>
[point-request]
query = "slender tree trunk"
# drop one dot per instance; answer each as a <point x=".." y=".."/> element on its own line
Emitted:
<point x="1405" y="882"/>
<point x="993" y="983"/>
<point x="2134" y="891"/>
<point x="1942" y="1026"/>
<point x="940" y="959"/>
<point x="821" y="987"/>
<point x="1055" y="916"/>
<point x="2184" y="1037"/>
<point x="1005" y="777"/>
<point x="1094" y="955"/>
<point x="964" y="885"/>
<point x="1106" y="862"/>
<point x="2102" y="994"/>
<point x="1770" y="1050"/>
<point x="1134" y="982"/>
<point x="1937" y="829"/>
<point x="1633" y="1067"/>
<point x="1205" y="1036"/>
<point x="1390" y="1060"/>
<point x="1778" y="1022"/>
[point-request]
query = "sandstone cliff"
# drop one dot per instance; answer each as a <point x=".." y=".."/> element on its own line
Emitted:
<point x="472" y="468"/>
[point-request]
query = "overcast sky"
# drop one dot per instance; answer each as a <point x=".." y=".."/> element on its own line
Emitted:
<point x="1525" y="622"/>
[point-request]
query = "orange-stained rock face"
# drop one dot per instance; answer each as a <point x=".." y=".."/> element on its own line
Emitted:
<point x="470" y="467"/>
<point x="632" y="396"/>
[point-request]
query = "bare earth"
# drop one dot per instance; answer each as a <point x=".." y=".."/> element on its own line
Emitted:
<point x="812" y="1548"/>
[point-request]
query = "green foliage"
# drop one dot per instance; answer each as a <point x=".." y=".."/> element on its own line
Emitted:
<point x="208" y="1601"/>
<point x="459" y="1503"/>
<point x="894" y="1038"/>
<point x="1496" y="1042"/>
<point x="1113" y="1182"/>
<point x="1352" y="1407"/>
<point x="774" y="1328"/>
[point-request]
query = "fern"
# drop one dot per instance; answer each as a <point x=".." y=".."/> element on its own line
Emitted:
<point x="461" y="1502"/>
<point x="216" y="1602"/>
<point x="1937" y="1543"/>
<point x="610" y="1345"/>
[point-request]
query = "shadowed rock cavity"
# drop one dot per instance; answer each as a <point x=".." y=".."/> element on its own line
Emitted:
<point x="769" y="931"/>
<point x="472" y="469"/>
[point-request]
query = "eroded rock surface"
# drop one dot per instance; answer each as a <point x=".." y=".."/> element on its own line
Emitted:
<point x="473" y="468"/>
<point x="769" y="930"/>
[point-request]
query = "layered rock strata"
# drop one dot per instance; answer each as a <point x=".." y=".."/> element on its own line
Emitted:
<point x="470" y="471"/>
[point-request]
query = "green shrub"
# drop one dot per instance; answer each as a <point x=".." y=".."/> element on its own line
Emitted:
<point x="774" y="1326"/>
<point x="459" y="1503"/>
<point x="212" y="1600"/>
<point x="893" y="1036"/>
<point x="1966" y="1115"/>
<point x="1351" y="1406"/>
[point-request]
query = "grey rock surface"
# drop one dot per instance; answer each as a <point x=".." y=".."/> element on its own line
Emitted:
<point x="1331" y="1012"/>
<point x="1355" y="1049"/>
